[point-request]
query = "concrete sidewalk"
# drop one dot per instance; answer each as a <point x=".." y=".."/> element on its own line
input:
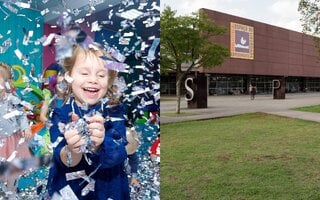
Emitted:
<point x="222" y="106"/>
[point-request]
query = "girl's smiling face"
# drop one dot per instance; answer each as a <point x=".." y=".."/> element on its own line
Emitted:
<point x="90" y="78"/>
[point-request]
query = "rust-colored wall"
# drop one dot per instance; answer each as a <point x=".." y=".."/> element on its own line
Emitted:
<point x="277" y="51"/>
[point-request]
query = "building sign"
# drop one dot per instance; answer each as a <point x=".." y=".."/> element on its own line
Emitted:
<point x="241" y="41"/>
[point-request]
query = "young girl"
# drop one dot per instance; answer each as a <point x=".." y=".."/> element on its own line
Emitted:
<point x="14" y="126"/>
<point x="89" y="150"/>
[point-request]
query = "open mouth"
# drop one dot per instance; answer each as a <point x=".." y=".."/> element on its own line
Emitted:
<point x="91" y="91"/>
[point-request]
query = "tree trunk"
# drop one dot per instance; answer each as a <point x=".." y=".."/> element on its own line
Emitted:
<point x="178" y="92"/>
<point x="179" y="76"/>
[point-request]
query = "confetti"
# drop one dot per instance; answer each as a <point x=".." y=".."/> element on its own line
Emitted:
<point x="95" y="26"/>
<point x="152" y="50"/>
<point x="45" y="11"/>
<point x="22" y="4"/>
<point x="48" y="40"/>
<point x="5" y="45"/>
<point x="130" y="14"/>
<point x="18" y="54"/>
<point x="67" y="193"/>
<point x="10" y="7"/>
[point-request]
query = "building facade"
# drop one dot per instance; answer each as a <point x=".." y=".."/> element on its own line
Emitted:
<point x="260" y="54"/>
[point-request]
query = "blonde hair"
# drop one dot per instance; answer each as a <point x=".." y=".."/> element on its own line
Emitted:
<point x="94" y="49"/>
<point x="5" y="71"/>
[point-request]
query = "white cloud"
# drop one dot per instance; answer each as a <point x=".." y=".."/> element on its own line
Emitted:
<point x="286" y="14"/>
<point x="286" y="8"/>
<point x="184" y="7"/>
<point x="292" y="25"/>
<point x="282" y="13"/>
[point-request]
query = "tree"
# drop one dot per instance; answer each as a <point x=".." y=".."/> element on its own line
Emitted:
<point x="188" y="40"/>
<point x="310" y="11"/>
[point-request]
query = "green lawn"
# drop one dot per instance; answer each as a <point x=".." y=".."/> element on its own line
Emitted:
<point x="315" y="108"/>
<point x="253" y="156"/>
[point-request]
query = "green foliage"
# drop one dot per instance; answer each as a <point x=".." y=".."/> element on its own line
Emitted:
<point x="310" y="11"/>
<point x="189" y="40"/>
<point x="310" y="16"/>
<point x="251" y="157"/>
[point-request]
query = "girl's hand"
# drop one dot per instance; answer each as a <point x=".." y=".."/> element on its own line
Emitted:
<point x="96" y="129"/>
<point x="27" y="134"/>
<point x="134" y="182"/>
<point x="71" y="154"/>
<point x="74" y="140"/>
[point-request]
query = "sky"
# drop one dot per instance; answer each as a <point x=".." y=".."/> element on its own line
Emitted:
<point x="282" y="13"/>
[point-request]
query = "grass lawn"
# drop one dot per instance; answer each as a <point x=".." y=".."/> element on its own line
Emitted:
<point x="315" y="108"/>
<point x="245" y="157"/>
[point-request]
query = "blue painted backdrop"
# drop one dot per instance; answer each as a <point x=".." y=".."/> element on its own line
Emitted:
<point x="17" y="24"/>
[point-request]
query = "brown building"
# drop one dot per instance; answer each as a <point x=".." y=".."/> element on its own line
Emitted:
<point x="261" y="54"/>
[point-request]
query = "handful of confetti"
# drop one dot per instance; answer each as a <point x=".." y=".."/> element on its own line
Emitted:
<point x="81" y="126"/>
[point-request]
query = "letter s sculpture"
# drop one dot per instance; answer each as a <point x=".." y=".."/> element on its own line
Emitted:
<point x="190" y="94"/>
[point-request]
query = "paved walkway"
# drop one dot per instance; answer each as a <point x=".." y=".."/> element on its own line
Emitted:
<point x="222" y="106"/>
